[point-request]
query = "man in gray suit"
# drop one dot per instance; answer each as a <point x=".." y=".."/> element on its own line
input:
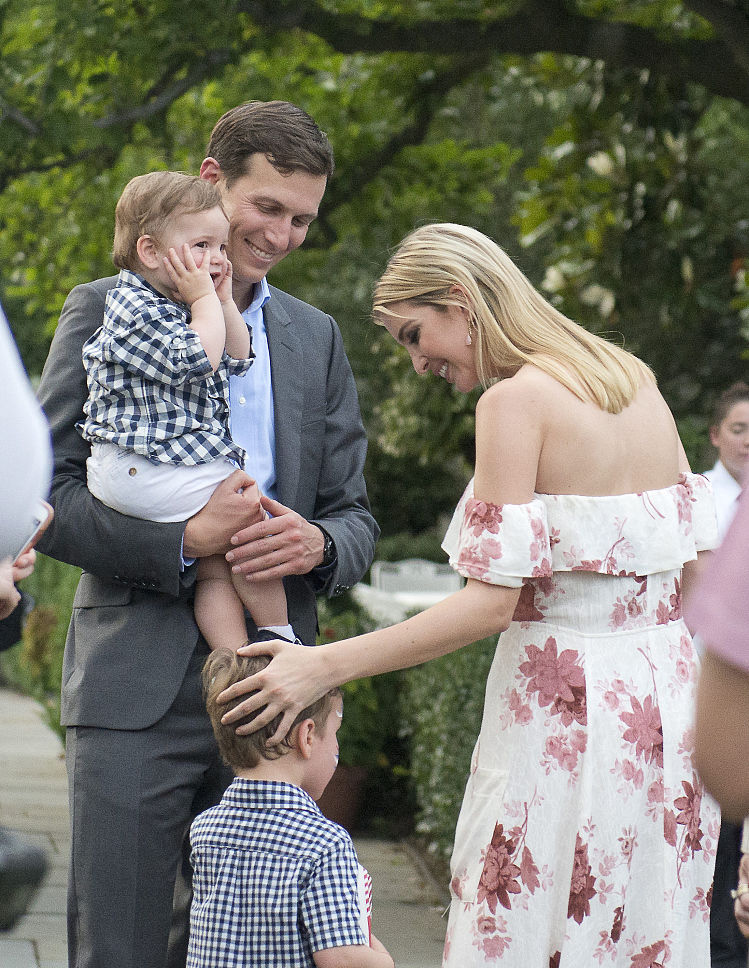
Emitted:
<point x="141" y="756"/>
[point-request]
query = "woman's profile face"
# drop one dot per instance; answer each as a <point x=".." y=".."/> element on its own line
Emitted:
<point x="436" y="341"/>
<point x="731" y="438"/>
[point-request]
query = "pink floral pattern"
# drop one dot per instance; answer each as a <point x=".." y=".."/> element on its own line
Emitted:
<point x="582" y="797"/>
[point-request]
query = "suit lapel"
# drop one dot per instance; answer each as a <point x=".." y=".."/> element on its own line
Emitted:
<point x="288" y="397"/>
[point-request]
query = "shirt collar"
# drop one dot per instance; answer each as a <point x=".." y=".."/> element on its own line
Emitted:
<point x="721" y="477"/>
<point x="128" y="278"/>
<point x="260" y="297"/>
<point x="269" y="795"/>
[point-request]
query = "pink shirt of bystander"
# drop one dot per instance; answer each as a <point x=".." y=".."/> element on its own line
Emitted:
<point x="719" y="610"/>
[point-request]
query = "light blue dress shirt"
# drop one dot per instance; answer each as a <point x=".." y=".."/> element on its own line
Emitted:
<point x="251" y="401"/>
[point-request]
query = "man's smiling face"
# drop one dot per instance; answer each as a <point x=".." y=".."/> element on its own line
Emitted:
<point x="269" y="214"/>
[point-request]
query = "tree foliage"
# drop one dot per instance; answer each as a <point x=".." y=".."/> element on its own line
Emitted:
<point x="603" y="143"/>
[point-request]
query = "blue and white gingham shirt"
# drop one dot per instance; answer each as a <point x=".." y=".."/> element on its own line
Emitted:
<point x="151" y="389"/>
<point x="274" y="880"/>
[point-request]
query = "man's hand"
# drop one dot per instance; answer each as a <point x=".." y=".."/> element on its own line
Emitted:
<point x="233" y="506"/>
<point x="24" y="565"/>
<point x="9" y="594"/>
<point x="285" y="544"/>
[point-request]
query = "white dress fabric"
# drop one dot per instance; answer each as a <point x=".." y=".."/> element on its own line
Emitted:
<point x="585" y="837"/>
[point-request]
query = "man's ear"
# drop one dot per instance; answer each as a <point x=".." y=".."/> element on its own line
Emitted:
<point x="714" y="432"/>
<point x="305" y="734"/>
<point x="147" y="252"/>
<point x="210" y="170"/>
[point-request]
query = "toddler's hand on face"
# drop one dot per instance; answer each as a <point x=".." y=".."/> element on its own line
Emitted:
<point x="190" y="281"/>
<point x="223" y="285"/>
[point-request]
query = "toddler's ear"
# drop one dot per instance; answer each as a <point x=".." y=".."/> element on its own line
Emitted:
<point x="305" y="735"/>
<point x="147" y="252"/>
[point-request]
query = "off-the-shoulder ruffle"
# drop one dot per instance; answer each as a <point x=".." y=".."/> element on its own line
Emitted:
<point x="501" y="545"/>
<point x="639" y="533"/>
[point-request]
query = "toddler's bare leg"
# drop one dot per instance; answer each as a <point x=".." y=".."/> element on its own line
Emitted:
<point x="220" y="600"/>
<point x="219" y="611"/>
<point x="265" y="601"/>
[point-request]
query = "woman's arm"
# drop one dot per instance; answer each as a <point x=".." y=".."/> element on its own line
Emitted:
<point x="509" y="438"/>
<point x="296" y="677"/>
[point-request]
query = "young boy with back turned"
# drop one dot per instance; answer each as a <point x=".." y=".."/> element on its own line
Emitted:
<point x="275" y="882"/>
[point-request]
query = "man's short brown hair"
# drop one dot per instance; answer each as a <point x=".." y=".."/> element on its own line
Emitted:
<point x="149" y="202"/>
<point x="222" y="669"/>
<point x="284" y="133"/>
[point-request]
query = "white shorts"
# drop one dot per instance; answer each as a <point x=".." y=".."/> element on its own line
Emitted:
<point x="134" y="485"/>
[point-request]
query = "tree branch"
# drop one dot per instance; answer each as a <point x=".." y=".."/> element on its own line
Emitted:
<point x="155" y="104"/>
<point x="13" y="114"/>
<point x="730" y="22"/>
<point x="211" y="62"/>
<point x="424" y="101"/>
<point x="541" y="25"/>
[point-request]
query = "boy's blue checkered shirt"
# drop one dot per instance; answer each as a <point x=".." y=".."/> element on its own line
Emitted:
<point x="151" y="389"/>
<point x="274" y="880"/>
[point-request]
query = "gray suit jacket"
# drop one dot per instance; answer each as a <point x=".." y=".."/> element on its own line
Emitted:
<point x="133" y="630"/>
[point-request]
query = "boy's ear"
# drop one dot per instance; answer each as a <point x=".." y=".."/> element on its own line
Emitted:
<point x="147" y="252"/>
<point x="305" y="734"/>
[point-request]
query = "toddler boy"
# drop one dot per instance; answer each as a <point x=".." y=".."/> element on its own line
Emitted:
<point x="157" y="414"/>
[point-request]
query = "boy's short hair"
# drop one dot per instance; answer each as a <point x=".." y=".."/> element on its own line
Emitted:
<point x="736" y="393"/>
<point x="222" y="669"/>
<point x="149" y="202"/>
<point x="283" y="132"/>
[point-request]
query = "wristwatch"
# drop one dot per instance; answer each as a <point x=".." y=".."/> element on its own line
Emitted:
<point x="328" y="550"/>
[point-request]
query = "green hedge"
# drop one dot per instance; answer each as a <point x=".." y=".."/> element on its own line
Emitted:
<point x="442" y="705"/>
<point x="35" y="666"/>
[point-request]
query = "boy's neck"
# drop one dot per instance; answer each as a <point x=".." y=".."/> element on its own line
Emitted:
<point x="154" y="282"/>
<point x="285" y="769"/>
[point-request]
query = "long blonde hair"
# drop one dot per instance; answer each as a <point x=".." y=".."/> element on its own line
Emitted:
<point x="512" y="324"/>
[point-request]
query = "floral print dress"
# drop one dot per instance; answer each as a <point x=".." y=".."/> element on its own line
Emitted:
<point x="585" y="837"/>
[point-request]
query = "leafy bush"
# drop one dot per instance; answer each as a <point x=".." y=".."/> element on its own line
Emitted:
<point x="372" y="734"/>
<point x="442" y="705"/>
<point x="370" y="706"/>
<point x="35" y="666"/>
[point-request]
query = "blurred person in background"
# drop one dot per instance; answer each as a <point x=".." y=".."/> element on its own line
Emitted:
<point x="729" y="434"/>
<point x="25" y="466"/>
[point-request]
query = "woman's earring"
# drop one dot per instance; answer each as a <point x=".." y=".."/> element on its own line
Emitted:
<point x="468" y="338"/>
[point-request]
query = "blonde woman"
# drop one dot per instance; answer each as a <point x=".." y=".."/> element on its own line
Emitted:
<point x="584" y="836"/>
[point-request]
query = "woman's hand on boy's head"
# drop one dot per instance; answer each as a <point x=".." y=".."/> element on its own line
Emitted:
<point x="190" y="282"/>
<point x="286" y="686"/>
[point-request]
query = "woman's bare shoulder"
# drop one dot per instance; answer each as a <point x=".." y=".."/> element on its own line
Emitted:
<point x="529" y="383"/>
